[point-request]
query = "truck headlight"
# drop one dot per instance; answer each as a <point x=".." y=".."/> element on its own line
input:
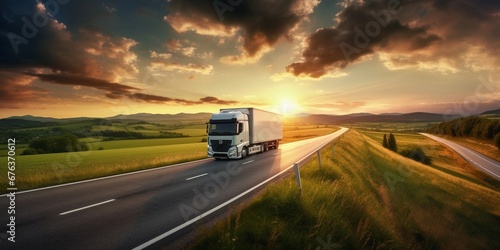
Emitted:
<point x="232" y="152"/>
<point x="210" y="152"/>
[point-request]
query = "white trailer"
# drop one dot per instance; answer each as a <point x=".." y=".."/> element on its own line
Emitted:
<point x="239" y="132"/>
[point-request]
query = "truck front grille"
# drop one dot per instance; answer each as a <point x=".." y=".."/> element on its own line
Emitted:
<point x="220" y="145"/>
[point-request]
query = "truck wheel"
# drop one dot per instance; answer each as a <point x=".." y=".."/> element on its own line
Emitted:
<point x="244" y="153"/>
<point x="277" y="144"/>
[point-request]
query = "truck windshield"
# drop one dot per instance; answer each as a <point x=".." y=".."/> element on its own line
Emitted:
<point x="222" y="129"/>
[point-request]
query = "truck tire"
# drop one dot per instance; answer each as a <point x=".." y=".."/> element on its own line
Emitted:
<point x="277" y="144"/>
<point x="244" y="153"/>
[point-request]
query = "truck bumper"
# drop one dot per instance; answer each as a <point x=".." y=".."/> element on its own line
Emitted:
<point x="231" y="154"/>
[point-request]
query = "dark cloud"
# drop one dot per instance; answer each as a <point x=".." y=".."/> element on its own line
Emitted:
<point x="214" y="100"/>
<point x="35" y="40"/>
<point x="17" y="90"/>
<point x="85" y="81"/>
<point x="79" y="52"/>
<point x="263" y="22"/>
<point x="114" y="90"/>
<point x="429" y="34"/>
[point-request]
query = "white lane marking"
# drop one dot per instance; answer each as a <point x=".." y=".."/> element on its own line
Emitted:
<point x="89" y="206"/>
<point x="245" y="163"/>
<point x="197" y="218"/>
<point x="276" y="153"/>
<point x="108" y="177"/>
<point x="194" y="177"/>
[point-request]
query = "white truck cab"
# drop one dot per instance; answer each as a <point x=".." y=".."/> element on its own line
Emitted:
<point x="237" y="133"/>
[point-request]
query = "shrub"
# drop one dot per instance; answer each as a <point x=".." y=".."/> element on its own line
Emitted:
<point x="416" y="154"/>
<point x="497" y="140"/>
<point x="203" y="139"/>
<point x="29" y="151"/>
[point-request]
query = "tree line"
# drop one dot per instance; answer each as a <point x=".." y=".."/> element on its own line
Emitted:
<point x="55" y="144"/>
<point x="475" y="127"/>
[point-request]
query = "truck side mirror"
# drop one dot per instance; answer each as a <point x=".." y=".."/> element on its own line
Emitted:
<point x="206" y="128"/>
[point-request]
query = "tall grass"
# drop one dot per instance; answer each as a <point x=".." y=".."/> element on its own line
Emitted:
<point x="364" y="197"/>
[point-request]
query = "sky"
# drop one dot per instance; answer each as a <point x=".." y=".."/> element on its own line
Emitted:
<point x="71" y="58"/>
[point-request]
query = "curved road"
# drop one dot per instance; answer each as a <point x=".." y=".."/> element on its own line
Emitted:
<point x="484" y="163"/>
<point x="145" y="209"/>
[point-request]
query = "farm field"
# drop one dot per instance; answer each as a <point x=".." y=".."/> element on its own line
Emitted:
<point x="392" y="126"/>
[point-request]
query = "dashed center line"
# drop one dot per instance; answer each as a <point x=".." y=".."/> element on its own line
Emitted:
<point x="194" y="177"/>
<point x="89" y="206"/>
<point x="245" y="163"/>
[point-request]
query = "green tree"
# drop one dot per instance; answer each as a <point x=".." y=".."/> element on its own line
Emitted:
<point x="384" y="142"/>
<point x="497" y="140"/>
<point x="392" y="143"/>
<point x="57" y="144"/>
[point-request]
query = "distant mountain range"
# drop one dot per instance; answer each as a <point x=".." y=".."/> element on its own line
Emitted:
<point x="29" y="121"/>
<point x="492" y="112"/>
<point x="366" y="117"/>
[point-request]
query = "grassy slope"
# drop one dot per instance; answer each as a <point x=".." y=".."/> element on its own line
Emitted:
<point x="443" y="158"/>
<point x="364" y="197"/>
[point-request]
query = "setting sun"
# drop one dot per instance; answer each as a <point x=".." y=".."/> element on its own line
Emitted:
<point x="289" y="107"/>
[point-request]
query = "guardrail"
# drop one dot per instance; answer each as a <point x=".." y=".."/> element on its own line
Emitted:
<point x="307" y="158"/>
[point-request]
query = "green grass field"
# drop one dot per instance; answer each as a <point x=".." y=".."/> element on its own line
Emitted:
<point x="133" y="143"/>
<point x="118" y="156"/>
<point x="391" y="126"/>
<point x="49" y="169"/>
<point x="364" y="197"/>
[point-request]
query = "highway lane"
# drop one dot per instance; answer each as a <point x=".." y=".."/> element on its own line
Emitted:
<point x="483" y="163"/>
<point x="137" y="210"/>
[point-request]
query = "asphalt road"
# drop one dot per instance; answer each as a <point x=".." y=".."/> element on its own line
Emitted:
<point x="484" y="163"/>
<point x="145" y="209"/>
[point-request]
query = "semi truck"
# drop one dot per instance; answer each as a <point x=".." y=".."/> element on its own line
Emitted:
<point x="238" y="132"/>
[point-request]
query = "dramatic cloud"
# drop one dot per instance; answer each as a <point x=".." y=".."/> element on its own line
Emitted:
<point x="38" y="40"/>
<point x="113" y="90"/>
<point x="444" y="36"/>
<point x="263" y="23"/>
<point x="17" y="89"/>
<point x="41" y="48"/>
<point x="214" y="100"/>
<point x="75" y="80"/>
